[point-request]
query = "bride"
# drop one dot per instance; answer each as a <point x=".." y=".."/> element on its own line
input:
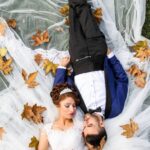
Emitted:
<point x="56" y="134"/>
<point x="16" y="93"/>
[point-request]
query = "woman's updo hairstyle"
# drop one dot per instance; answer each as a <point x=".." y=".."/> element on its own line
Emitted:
<point x="58" y="93"/>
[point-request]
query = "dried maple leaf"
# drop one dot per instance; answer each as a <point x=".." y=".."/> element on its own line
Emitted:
<point x="12" y="23"/>
<point x="34" y="143"/>
<point x="49" y="66"/>
<point x="2" y="131"/>
<point x="64" y="10"/>
<point x="27" y="112"/>
<point x="40" y="38"/>
<point x="140" y="76"/>
<point x="38" y="110"/>
<point x="142" y="54"/>
<point x="98" y="14"/>
<point x="30" y="80"/>
<point x="5" y="66"/>
<point x="134" y="70"/>
<point x="3" y="52"/>
<point x="33" y="113"/>
<point x="141" y="45"/>
<point x="140" y="80"/>
<point x="2" y="29"/>
<point x="24" y="74"/>
<point x="129" y="129"/>
<point x="38" y="58"/>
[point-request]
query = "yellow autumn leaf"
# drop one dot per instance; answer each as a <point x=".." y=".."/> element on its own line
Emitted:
<point x="5" y="66"/>
<point x="141" y="45"/>
<point x="49" y="66"/>
<point x="129" y="129"/>
<point x="3" y="52"/>
<point x="32" y="77"/>
<point x="64" y="10"/>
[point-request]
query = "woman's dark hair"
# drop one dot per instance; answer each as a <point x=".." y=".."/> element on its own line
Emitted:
<point x="94" y="139"/>
<point x="56" y="97"/>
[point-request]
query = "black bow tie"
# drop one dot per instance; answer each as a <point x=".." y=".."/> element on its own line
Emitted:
<point x="98" y="109"/>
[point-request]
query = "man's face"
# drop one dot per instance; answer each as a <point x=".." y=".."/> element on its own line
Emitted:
<point x="92" y="124"/>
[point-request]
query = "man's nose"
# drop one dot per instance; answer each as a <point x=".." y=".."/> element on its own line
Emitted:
<point x="86" y="117"/>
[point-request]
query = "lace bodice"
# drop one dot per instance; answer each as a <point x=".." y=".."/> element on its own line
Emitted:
<point x="70" y="139"/>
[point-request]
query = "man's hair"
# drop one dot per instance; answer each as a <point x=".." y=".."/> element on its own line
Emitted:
<point x="94" y="139"/>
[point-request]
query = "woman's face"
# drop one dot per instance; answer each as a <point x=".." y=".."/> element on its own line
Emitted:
<point x="67" y="108"/>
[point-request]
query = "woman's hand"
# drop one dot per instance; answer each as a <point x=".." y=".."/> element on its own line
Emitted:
<point x="64" y="61"/>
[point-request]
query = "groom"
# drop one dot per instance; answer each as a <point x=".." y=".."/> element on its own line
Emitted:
<point x="99" y="76"/>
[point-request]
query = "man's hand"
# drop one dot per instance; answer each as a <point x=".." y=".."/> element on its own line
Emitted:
<point x="108" y="51"/>
<point x="64" y="61"/>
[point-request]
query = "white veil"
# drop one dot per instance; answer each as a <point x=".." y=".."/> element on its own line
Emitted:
<point x="16" y="94"/>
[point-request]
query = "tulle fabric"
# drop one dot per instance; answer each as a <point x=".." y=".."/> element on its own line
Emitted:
<point x="13" y="98"/>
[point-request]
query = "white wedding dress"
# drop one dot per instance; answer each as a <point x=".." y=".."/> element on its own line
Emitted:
<point x="18" y="132"/>
<point x="70" y="139"/>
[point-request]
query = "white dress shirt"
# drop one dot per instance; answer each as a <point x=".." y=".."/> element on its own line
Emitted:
<point x="92" y="88"/>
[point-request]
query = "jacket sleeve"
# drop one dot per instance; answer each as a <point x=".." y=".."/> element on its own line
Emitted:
<point x="62" y="77"/>
<point x="121" y="85"/>
<point x="118" y="71"/>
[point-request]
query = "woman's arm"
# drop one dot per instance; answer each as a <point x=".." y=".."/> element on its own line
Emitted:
<point x="43" y="141"/>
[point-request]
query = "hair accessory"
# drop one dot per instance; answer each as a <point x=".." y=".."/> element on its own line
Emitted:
<point x="66" y="90"/>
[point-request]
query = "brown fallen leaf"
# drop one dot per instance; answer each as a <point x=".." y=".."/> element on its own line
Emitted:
<point x="129" y="129"/>
<point x="33" y="113"/>
<point x="140" y="76"/>
<point x="5" y="66"/>
<point x="38" y="110"/>
<point x="49" y="66"/>
<point x="2" y="131"/>
<point x="64" y="10"/>
<point x="98" y="14"/>
<point x="12" y="23"/>
<point x="27" y="112"/>
<point x="134" y="70"/>
<point x="2" y="29"/>
<point x="140" y="80"/>
<point x="30" y="79"/>
<point x="38" y="58"/>
<point x="34" y="143"/>
<point x="40" y="38"/>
